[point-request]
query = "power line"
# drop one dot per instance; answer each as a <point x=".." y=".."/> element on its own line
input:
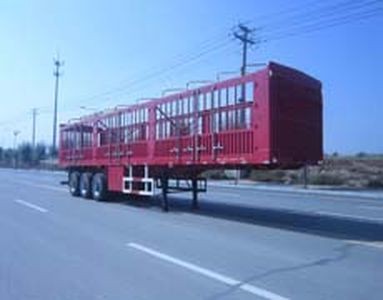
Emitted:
<point x="334" y="22"/>
<point x="122" y="89"/>
<point x="205" y="47"/>
<point x="315" y="14"/>
<point x="19" y="119"/>
<point x="292" y="9"/>
<point x="190" y="60"/>
<point x="322" y="17"/>
<point x="210" y="47"/>
<point x="317" y="17"/>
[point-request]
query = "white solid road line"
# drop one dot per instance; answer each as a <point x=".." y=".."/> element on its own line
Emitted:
<point x="30" y="205"/>
<point x="294" y="190"/>
<point x="371" y="207"/>
<point x="362" y="218"/>
<point x="211" y="274"/>
<point x="377" y="244"/>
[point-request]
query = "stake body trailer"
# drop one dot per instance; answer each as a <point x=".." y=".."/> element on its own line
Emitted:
<point x="268" y="119"/>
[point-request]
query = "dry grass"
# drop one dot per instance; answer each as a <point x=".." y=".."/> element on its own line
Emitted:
<point x="351" y="172"/>
<point x="361" y="171"/>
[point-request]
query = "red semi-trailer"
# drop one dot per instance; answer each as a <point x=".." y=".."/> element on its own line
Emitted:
<point x="268" y="119"/>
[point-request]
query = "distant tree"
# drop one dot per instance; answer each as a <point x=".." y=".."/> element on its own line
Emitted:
<point x="361" y="155"/>
<point x="335" y="154"/>
<point x="53" y="152"/>
<point x="40" y="152"/>
<point x="8" y="156"/>
<point x="25" y="152"/>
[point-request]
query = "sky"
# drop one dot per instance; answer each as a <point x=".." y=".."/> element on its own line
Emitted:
<point x="118" y="51"/>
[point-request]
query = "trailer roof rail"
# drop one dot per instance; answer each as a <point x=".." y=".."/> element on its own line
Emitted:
<point x="205" y="81"/>
<point x="171" y="90"/>
<point x="74" y="120"/>
<point x="146" y="99"/>
<point x="218" y="76"/>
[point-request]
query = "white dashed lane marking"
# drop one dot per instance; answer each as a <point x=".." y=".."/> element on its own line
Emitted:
<point x="208" y="273"/>
<point x="30" y="205"/>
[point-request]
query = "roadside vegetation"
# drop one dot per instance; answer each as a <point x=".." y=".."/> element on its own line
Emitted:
<point x="26" y="156"/>
<point x="359" y="171"/>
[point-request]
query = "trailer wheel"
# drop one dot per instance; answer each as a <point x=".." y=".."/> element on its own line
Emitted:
<point x="74" y="183"/>
<point x="99" y="188"/>
<point x="86" y="185"/>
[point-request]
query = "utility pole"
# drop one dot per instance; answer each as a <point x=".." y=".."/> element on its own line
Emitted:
<point x="243" y="35"/>
<point x="15" y="134"/>
<point x="15" y="154"/>
<point x="58" y="64"/>
<point x="34" y="115"/>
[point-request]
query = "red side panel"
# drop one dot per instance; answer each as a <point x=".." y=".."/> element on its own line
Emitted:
<point x="296" y="116"/>
<point x="115" y="176"/>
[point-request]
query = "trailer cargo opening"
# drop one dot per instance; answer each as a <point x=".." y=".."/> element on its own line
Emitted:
<point x="268" y="119"/>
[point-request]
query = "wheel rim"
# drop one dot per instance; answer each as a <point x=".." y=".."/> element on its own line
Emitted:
<point x="97" y="189"/>
<point x="84" y="188"/>
<point x="73" y="184"/>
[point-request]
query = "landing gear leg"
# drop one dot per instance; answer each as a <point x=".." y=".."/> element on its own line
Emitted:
<point x="165" y="202"/>
<point x="195" y="205"/>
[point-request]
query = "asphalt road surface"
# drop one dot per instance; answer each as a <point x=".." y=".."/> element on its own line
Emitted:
<point x="54" y="246"/>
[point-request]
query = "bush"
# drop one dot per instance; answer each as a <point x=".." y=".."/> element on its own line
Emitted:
<point x="327" y="179"/>
<point x="268" y="176"/>
<point x="293" y="178"/>
<point x="215" y="174"/>
<point x="375" y="182"/>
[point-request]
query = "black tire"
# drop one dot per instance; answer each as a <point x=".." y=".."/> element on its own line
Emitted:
<point x="74" y="183"/>
<point x="86" y="185"/>
<point x="99" y="187"/>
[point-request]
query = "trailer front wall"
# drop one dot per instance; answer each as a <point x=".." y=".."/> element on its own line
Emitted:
<point x="296" y="117"/>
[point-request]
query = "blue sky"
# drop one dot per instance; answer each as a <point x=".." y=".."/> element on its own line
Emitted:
<point x="108" y="44"/>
